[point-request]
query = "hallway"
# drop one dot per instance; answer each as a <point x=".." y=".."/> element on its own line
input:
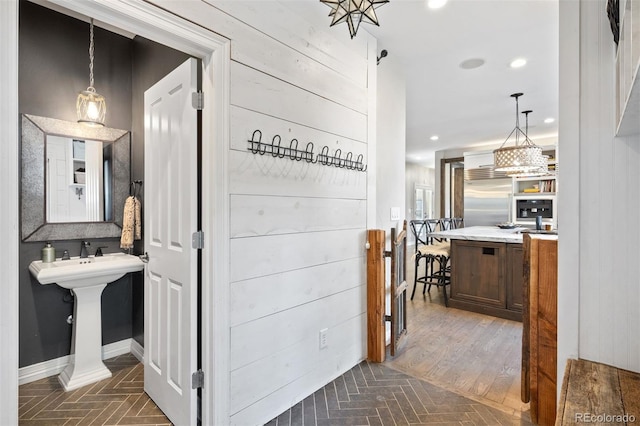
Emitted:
<point x="474" y="355"/>
<point x="373" y="394"/>
<point x="458" y="368"/>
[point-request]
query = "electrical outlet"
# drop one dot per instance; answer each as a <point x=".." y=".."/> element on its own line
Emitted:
<point x="323" y="338"/>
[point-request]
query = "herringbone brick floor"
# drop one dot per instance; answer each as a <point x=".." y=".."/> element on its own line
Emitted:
<point x="372" y="394"/>
<point x="120" y="400"/>
<point x="368" y="394"/>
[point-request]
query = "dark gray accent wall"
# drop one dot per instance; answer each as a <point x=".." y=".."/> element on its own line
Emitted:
<point x="53" y="68"/>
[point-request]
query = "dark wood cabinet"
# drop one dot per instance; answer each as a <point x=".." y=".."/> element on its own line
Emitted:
<point x="486" y="277"/>
<point x="479" y="272"/>
<point x="515" y="278"/>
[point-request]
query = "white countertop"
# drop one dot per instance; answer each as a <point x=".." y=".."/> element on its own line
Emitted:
<point x="482" y="233"/>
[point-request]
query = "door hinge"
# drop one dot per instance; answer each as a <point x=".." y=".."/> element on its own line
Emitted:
<point x="197" y="240"/>
<point x="197" y="100"/>
<point x="197" y="380"/>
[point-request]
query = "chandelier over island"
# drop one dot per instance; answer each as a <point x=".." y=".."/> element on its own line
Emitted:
<point x="524" y="156"/>
<point x="544" y="169"/>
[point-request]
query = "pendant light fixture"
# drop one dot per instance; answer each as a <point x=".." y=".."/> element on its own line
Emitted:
<point x="353" y="12"/>
<point x="524" y="156"/>
<point x="90" y="105"/>
<point x="544" y="168"/>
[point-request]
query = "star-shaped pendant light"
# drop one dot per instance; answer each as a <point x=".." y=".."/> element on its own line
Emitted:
<point x="353" y="12"/>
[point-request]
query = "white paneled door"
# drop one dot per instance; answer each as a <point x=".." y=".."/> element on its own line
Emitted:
<point x="170" y="218"/>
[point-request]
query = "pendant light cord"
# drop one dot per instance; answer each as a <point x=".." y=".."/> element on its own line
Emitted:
<point x="517" y="130"/>
<point x="517" y="95"/>
<point x="91" y="54"/>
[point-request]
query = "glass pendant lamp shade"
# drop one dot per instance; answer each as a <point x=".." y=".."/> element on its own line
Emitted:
<point x="524" y="157"/>
<point x="91" y="106"/>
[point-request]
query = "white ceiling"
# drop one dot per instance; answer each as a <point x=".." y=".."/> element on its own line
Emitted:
<point x="466" y="107"/>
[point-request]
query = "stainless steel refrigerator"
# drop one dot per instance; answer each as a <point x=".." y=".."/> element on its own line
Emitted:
<point x="487" y="201"/>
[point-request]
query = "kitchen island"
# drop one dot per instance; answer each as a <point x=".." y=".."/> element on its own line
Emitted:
<point x="486" y="270"/>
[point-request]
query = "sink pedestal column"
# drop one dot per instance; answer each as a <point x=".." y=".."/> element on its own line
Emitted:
<point x="86" y="364"/>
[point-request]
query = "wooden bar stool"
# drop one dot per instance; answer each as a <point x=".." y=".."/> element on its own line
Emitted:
<point x="436" y="255"/>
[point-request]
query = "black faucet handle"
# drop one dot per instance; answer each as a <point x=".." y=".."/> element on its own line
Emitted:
<point x="99" y="251"/>
<point x="84" y="253"/>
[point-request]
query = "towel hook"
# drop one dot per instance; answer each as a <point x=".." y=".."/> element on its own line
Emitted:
<point x="134" y="188"/>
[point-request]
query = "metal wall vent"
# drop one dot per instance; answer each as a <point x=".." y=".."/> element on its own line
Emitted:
<point x="483" y="173"/>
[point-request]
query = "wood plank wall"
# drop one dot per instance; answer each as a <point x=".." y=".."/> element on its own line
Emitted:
<point x="297" y="230"/>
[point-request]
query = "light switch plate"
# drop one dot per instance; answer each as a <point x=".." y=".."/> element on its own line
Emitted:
<point x="395" y="213"/>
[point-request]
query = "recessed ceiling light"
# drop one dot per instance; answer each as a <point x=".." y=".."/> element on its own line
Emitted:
<point x="417" y="157"/>
<point x="434" y="138"/>
<point x="549" y="120"/>
<point x="436" y="4"/>
<point x="519" y="62"/>
<point x="472" y="63"/>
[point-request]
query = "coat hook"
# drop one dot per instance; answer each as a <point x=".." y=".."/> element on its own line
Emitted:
<point x="308" y="153"/>
<point x="255" y="144"/>
<point x="276" y="152"/>
<point x="293" y="150"/>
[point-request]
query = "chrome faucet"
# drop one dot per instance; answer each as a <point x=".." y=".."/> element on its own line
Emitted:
<point x="84" y="253"/>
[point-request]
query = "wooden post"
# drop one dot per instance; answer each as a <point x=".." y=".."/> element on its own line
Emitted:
<point x="541" y="262"/>
<point x="375" y="296"/>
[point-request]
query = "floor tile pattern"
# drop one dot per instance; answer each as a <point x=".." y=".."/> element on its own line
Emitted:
<point x="372" y="394"/>
<point x="120" y="400"/>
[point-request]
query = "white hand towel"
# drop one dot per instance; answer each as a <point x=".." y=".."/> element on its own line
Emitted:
<point x="131" y="223"/>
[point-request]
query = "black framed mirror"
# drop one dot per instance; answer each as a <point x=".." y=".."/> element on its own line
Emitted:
<point x="62" y="161"/>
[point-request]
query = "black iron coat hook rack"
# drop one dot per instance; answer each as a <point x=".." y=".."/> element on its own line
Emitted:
<point x="275" y="149"/>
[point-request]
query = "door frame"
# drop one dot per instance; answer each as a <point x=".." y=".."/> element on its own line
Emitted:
<point x="153" y="23"/>
<point x="423" y="187"/>
<point x="9" y="214"/>
<point x="443" y="180"/>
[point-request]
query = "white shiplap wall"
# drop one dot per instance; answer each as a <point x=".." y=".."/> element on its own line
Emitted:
<point x="599" y="291"/>
<point x="297" y="230"/>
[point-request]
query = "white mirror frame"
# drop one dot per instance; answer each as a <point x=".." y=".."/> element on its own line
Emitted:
<point x="33" y="200"/>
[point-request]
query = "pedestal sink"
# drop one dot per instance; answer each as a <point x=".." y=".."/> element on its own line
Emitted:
<point x="86" y="278"/>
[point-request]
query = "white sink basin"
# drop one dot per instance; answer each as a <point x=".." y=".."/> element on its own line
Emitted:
<point x="86" y="278"/>
<point x="76" y="272"/>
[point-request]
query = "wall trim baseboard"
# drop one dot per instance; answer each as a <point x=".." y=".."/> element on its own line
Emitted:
<point x="137" y="350"/>
<point x="38" y="371"/>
